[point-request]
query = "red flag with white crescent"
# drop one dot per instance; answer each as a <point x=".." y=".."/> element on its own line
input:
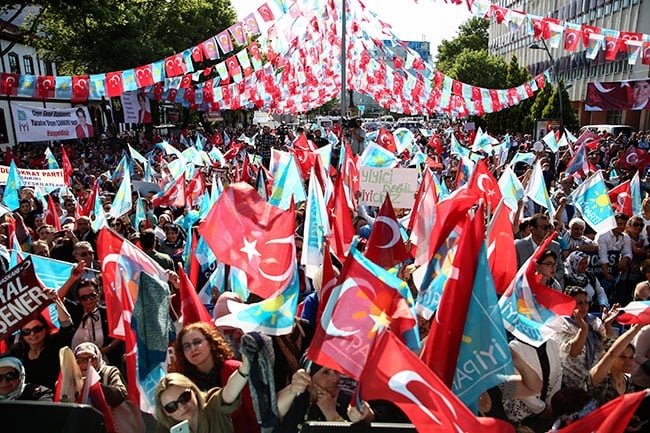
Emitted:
<point x="385" y="246"/>
<point x="245" y="231"/>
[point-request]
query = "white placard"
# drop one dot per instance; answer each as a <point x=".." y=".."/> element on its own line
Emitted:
<point x="400" y="183"/>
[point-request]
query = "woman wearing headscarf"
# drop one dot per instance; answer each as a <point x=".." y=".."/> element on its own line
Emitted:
<point x="13" y="385"/>
<point x="126" y="415"/>
<point x="576" y="274"/>
<point x="111" y="379"/>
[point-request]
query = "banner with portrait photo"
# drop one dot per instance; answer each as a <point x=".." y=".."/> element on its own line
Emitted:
<point x="44" y="124"/>
<point x="131" y="107"/>
<point x="618" y="95"/>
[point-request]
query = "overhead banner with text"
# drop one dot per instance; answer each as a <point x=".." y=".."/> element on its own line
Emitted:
<point x="30" y="177"/>
<point x="44" y="124"/>
<point x="620" y="95"/>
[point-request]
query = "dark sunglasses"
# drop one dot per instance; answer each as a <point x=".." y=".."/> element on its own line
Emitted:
<point x="29" y="331"/>
<point x="12" y="375"/>
<point x="638" y="225"/>
<point x="184" y="398"/>
<point x="546" y="227"/>
<point x="88" y="297"/>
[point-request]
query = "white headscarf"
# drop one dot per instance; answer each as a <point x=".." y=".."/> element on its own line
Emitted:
<point x="16" y="364"/>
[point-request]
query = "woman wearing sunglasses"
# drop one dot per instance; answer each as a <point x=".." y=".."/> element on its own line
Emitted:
<point x="13" y="385"/>
<point x="91" y="321"/>
<point x="179" y="399"/>
<point x="39" y="344"/>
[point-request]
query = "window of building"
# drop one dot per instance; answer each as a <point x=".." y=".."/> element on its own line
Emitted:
<point x="616" y="6"/>
<point x="28" y="62"/>
<point x="614" y="117"/>
<point x="608" y="9"/>
<point x="599" y="12"/>
<point x="49" y="68"/>
<point x="626" y="3"/>
<point x="14" y="66"/>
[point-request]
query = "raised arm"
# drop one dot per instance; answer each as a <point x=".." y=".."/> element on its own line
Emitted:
<point x="602" y="368"/>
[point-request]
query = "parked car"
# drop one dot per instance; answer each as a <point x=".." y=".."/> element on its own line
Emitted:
<point x="614" y="130"/>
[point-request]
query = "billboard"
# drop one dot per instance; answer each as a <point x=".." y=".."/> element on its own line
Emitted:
<point x="43" y="124"/>
<point x="618" y="95"/>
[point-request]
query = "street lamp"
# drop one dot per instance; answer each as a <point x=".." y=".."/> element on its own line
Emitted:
<point x="535" y="46"/>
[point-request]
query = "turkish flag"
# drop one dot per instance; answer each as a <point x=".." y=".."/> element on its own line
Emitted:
<point x="395" y="374"/>
<point x="197" y="53"/>
<point x="586" y="32"/>
<point x="245" y="231"/>
<point x="9" y="84"/>
<point x="422" y="218"/>
<point x="340" y="220"/>
<point x="612" y="417"/>
<point x="358" y="308"/>
<point x="635" y="157"/>
<point x="589" y="139"/>
<point x="502" y="256"/>
<point x="173" y="196"/>
<point x="266" y="12"/>
<point x="483" y="180"/>
<point x="195" y="189"/>
<point x="144" y="76"/>
<point x="93" y="394"/>
<point x="385" y="246"/>
<point x="67" y="166"/>
<point x="446" y="331"/>
<point x="192" y="308"/>
<point x="114" y="86"/>
<point x="51" y="217"/>
<point x="621" y="198"/>
<point x="612" y="46"/>
<point x="174" y="65"/>
<point x="636" y="312"/>
<point x="89" y="205"/>
<point x="386" y="139"/>
<point x="571" y="38"/>
<point x="45" y="86"/>
<point x="434" y="142"/>
<point x="80" y="88"/>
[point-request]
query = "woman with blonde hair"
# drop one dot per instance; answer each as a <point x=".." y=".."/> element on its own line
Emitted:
<point x="179" y="399"/>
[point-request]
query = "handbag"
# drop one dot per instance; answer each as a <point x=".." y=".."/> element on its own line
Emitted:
<point x="127" y="418"/>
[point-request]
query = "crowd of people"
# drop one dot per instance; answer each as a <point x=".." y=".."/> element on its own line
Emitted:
<point x="218" y="377"/>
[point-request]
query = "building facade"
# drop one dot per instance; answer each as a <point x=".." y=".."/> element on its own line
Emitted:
<point x="574" y="67"/>
<point x="18" y="57"/>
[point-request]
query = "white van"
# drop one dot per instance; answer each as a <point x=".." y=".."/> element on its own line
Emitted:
<point x="262" y="118"/>
<point x="614" y="130"/>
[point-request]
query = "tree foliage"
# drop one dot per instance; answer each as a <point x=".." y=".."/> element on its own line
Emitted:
<point x="93" y="36"/>
<point x="472" y="35"/>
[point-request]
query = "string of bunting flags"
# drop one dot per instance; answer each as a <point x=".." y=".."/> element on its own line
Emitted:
<point x="569" y="35"/>
<point x="293" y="67"/>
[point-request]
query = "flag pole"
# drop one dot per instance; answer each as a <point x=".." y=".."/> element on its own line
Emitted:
<point x="343" y="61"/>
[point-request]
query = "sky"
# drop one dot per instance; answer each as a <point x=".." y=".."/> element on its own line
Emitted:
<point x="430" y="20"/>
